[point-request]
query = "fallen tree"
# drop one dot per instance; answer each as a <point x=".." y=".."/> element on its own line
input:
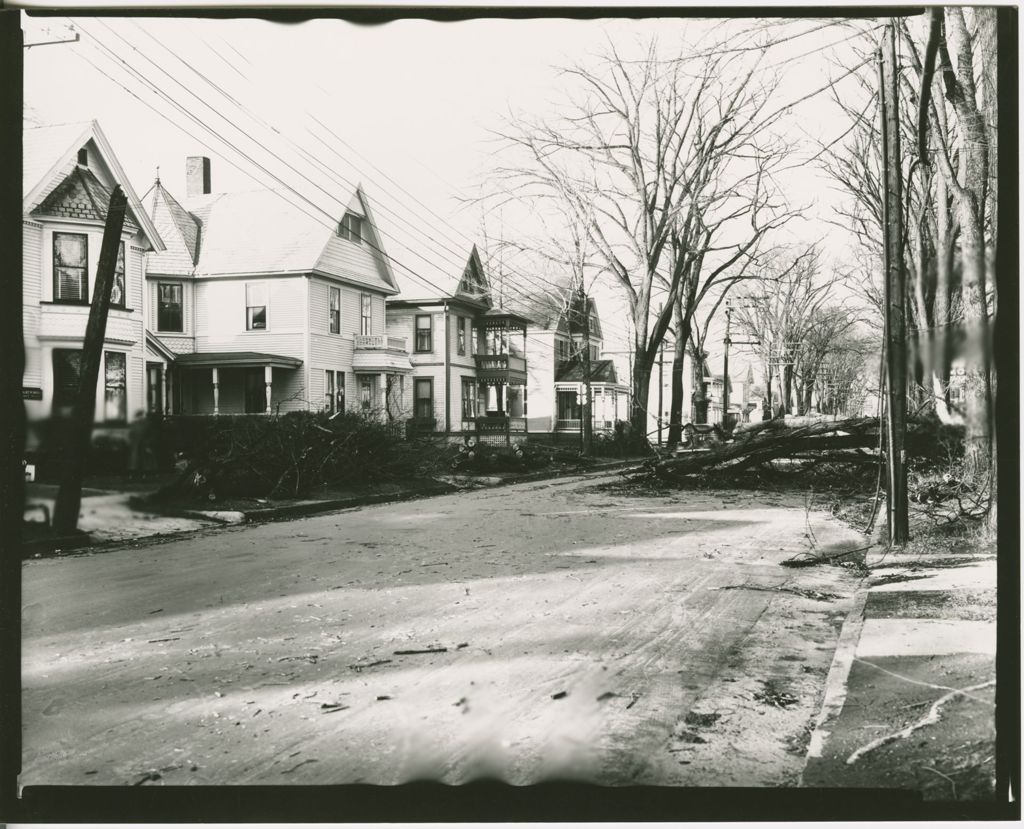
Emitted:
<point x="853" y="440"/>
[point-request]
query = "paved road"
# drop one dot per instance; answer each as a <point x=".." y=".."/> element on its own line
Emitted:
<point x="585" y="634"/>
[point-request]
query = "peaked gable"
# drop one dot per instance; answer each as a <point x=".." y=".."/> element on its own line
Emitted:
<point x="82" y="196"/>
<point x="473" y="285"/>
<point x="363" y="261"/>
<point x="50" y="159"/>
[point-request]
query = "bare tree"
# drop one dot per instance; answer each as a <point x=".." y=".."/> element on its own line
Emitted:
<point x="948" y="113"/>
<point x="646" y="155"/>
<point x="779" y="312"/>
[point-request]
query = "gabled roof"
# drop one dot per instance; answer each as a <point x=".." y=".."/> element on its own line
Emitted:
<point x="540" y="302"/>
<point x="601" y="371"/>
<point x="50" y="156"/>
<point x="425" y="276"/>
<point x="265" y="231"/>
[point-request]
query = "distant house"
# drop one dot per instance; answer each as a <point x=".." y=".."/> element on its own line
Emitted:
<point x="256" y="306"/>
<point x="68" y="174"/>
<point x="556" y="369"/>
<point x="468" y="356"/>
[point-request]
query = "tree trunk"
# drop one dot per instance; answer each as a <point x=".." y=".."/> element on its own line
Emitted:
<point x="787" y="389"/>
<point x="641" y="383"/>
<point x="675" y="427"/>
<point x="977" y="449"/>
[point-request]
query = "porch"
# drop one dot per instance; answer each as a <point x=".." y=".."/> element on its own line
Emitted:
<point x="230" y="383"/>
<point x="610" y="403"/>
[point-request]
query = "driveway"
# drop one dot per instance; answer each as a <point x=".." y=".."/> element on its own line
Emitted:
<point x="547" y="630"/>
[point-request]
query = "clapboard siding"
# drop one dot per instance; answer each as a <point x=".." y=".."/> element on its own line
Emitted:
<point x="220" y="317"/>
<point x="357" y="262"/>
<point x="32" y="263"/>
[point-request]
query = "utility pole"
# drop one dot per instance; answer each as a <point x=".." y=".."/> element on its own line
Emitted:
<point x="895" y="292"/>
<point x="587" y="427"/>
<point x="661" y="381"/>
<point x="725" y="368"/>
<point x="76" y="450"/>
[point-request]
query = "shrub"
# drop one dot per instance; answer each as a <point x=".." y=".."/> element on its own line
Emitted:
<point x="291" y="454"/>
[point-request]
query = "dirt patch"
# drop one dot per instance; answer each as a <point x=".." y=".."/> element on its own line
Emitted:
<point x="953" y="759"/>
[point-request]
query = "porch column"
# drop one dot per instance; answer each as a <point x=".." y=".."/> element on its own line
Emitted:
<point x="268" y="380"/>
<point x="216" y="391"/>
<point x="383" y="396"/>
<point x="168" y="407"/>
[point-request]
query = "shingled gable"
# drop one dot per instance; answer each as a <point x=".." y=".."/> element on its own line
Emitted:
<point x="50" y="169"/>
<point x="82" y="196"/>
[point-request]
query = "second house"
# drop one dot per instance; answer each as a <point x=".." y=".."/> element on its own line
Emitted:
<point x="258" y="305"/>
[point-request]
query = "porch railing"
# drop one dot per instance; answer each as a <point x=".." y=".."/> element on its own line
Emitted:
<point x="500" y="423"/>
<point x="569" y="424"/>
<point x="500" y="362"/>
<point x="379" y="342"/>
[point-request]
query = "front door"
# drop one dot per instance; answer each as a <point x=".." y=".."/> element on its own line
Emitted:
<point x="255" y="391"/>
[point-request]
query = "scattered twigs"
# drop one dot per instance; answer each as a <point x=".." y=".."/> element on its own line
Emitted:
<point x="932" y="717"/>
<point x="810" y="560"/>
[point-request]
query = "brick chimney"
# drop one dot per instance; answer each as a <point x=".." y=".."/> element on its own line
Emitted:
<point x="197" y="175"/>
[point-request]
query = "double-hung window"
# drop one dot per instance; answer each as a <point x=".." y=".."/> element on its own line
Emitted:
<point x="255" y="306"/>
<point x="70" y="267"/>
<point x="468" y="398"/>
<point x="169" y="315"/>
<point x="365" y="314"/>
<point x="424" y="333"/>
<point x="334" y="391"/>
<point x="460" y="325"/>
<point x="366" y="393"/>
<point x="115" y="384"/>
<point x="117" y="292"/>
<point x="335" y="309"/>
<point x="423" y="398"/>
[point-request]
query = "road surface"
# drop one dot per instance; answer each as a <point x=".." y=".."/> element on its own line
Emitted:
<point x="548" y="630"/>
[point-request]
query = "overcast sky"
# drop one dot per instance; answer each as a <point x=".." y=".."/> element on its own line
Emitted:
<point x="411" y="104"/>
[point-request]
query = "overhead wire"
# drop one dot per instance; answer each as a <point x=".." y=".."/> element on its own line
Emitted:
<point x="142" y="79"/>
<point x="458" y="262"/>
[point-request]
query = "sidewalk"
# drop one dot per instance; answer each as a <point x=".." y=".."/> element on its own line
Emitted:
<point x="909" y="703"/>
<point x="107" y="514"/>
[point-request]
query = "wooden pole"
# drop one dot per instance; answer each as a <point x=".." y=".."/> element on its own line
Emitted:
<point x="895" y="294"/>
<point x="76" y="450"/>
<point x="587" y="426"/>
<point x="725" y="370"/>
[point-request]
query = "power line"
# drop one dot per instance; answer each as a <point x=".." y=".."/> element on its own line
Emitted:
<point x="459" y="262"/>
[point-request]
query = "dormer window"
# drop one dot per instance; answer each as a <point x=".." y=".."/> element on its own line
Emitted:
<point x="351" y="228"/>
<point x="83" y="157"/>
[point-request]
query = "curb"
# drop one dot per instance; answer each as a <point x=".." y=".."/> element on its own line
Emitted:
<point x="313" y="507"/>
<point x="838" y="673"/>
<point x="287" y="511"/>
<point x="298" y="510"/>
